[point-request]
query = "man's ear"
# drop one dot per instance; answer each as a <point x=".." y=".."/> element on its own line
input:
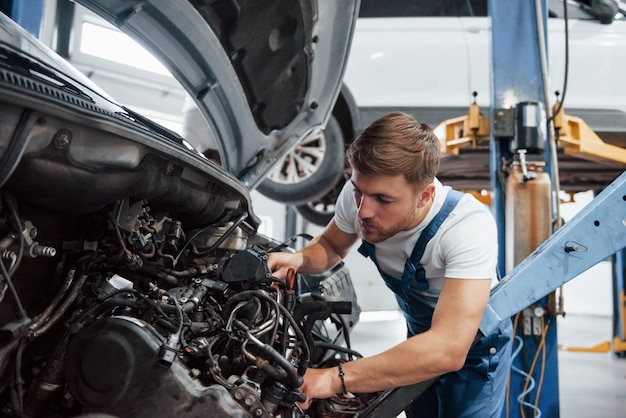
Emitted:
<point x="426" y="195"/>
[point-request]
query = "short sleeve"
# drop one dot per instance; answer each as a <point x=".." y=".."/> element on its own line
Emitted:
<point x="345" y="210"/>
<point x="473" y="252"/>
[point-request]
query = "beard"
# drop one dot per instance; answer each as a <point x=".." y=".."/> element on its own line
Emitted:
<point x="373" y="232"/>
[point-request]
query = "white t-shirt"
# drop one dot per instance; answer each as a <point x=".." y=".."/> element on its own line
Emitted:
<point x="464" y="247"/>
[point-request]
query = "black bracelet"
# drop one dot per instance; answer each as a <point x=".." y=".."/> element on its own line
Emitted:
<point x="341" y="376"/>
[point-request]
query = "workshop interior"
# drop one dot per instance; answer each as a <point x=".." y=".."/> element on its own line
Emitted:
<point x="154" y="152"/>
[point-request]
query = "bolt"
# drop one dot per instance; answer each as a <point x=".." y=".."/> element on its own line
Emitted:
<point x="42" y="250"/>
<point x="62" y="138"/>
<point x="169" y="168"/>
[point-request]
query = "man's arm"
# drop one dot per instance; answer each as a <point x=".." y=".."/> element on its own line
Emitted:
<point x="321" y="254"/>
<point x="439" y="350"/>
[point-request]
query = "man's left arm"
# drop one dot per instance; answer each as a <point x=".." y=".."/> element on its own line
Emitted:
<point x="441" y="349"/>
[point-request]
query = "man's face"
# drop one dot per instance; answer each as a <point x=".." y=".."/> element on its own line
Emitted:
<point x="388" y="204"/>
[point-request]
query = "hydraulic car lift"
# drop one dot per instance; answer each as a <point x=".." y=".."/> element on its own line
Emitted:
<point x="538" y="253"/>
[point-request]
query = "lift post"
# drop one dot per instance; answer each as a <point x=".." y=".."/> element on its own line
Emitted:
<point x="519" y="126"/>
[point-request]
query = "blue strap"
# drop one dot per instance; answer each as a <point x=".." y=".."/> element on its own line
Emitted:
<point x="366" y="249"/>
<point x="412" y="267"/>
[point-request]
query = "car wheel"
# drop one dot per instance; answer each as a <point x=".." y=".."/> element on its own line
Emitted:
<point x="321" y="210"/>
<point x="310" y="170"/>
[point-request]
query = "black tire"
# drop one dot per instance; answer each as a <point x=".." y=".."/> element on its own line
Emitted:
<point x="285" y="186"/>
<point x="321" y="210"/>
<point x="316" y="214"/>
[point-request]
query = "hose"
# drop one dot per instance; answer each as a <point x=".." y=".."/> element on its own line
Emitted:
<point x="543" y="56"/>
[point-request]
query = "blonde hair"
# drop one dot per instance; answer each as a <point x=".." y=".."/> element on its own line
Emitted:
<point x="397" y="144"/>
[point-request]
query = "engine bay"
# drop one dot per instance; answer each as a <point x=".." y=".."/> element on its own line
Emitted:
<point x="125" y="313"/>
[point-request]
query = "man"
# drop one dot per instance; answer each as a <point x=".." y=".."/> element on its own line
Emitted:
<point x="436" y="248"/>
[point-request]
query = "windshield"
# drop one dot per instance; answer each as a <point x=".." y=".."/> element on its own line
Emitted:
<point x="21" y="50"/>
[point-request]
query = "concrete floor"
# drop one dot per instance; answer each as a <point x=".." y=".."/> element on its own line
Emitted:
<point x="591" y="384"/>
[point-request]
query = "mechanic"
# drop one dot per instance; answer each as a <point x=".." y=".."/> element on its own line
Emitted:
<point x="436" y="249"/>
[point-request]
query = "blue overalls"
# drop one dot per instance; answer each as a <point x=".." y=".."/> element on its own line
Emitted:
<point x="479" y="388"/>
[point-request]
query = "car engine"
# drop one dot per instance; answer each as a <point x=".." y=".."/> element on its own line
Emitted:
<point x="128" y="313"/>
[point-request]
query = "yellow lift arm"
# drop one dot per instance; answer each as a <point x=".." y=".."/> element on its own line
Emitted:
<point x="574" y="136"/>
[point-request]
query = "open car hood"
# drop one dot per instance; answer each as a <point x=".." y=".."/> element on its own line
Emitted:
<point x="263" y="73"/>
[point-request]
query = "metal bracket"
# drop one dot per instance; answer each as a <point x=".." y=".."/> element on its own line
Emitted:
<point x="578" y="139"/>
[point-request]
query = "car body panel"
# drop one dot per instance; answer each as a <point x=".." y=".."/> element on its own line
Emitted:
<point x="407" y="61"/>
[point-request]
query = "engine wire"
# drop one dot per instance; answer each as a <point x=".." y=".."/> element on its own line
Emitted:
<point x="7" y="278"/>
<point x="7" y="274"/>
<point x="242" y="217"/>
<point x="17" y="223"/>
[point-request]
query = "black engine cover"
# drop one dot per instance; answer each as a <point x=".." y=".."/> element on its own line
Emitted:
<point x="112" y="367"/>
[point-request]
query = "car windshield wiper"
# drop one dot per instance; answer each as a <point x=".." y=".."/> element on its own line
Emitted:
<point x="26" y="66"/>
<point x="153" y="126"/>
<point x="20" y="63"/>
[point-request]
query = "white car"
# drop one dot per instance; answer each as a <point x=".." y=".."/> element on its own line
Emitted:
<point x="428" y="59"/>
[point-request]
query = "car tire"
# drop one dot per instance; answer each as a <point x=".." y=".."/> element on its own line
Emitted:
<point x="321" y="210"/>
<point x="319" y="161"/>
<point x="316" y="214"/>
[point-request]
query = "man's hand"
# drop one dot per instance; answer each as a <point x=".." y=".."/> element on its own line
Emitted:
<point x="280" y="263"/>
<point x="320" y="384"/>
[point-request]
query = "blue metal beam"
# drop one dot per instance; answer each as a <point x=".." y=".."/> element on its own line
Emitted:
<point x="28" y="14"/>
